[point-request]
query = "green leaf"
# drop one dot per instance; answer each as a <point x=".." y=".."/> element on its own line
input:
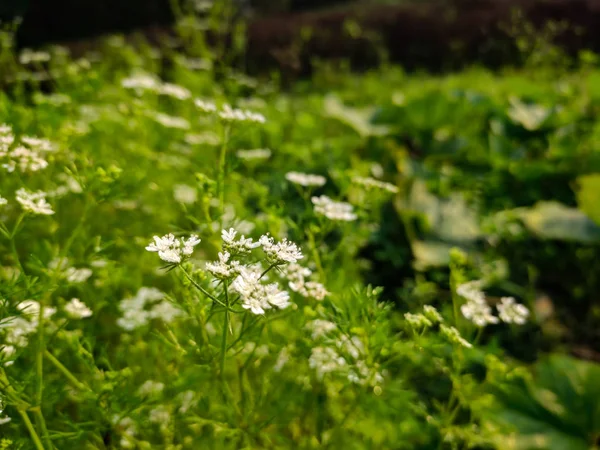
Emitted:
<point x="558" y="409"/>
<point x="553" y="220"/>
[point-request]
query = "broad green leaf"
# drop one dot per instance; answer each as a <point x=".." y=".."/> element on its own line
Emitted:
<point x="553" y="220"/>
<point x="558" y="409"/>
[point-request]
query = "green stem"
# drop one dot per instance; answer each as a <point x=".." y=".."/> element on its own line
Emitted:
<point x="66" y="372"/>
<point x="201" y="289"/>
<point x="32" y="432"/>
<point x="221" y="174"/>
<point x="315" y="253"/>
<point x="224" y="336"/>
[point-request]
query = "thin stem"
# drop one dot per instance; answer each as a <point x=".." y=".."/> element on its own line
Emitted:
<point x="315" y="253"/>
<point x="221" y="174"/>
<point x="32" y="432"/>
<point x="66" y="372"/>
<point x="224" y="336"/>
<point x="201" y="289"/>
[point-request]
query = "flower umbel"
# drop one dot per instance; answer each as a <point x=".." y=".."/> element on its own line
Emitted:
<point x="171" y="249"/>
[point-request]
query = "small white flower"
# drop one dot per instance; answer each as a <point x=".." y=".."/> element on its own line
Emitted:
<point x="241" y="115"/>
<point x="256" y="153"/>
<point x="74" y="275"/>
<point x="478" y="313"/>
<point x="242" y="245"/>
<point x="171" y="121"/>
<point x="205" y="106"/>
<point x="305" y="179"/>
<point x="171" y="249"/>
<point x="471" y="291"/>
<point x="224" y="268"/>
<point x="150" y="388"/>
<point x="185" y="194"/>
<point x="511" y="312"/>
<point x="3" y="201"/>
<point x="76" y="309"/>
<point x="325" y="360"/>
<point x="334" y="210"/>
<point x="372" y="183"/>
<point x="175" y="91"/>
<point x="281" y="252"/>
<point x="34" y="202"/>
<point x="255" y="296"/>
<point x="320" y="327"/>
<point x="141" y="82"/>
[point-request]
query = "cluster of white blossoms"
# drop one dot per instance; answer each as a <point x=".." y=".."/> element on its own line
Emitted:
<point x="241" y="245"/>
<point x="230" y="114"/>
<point x="282" y="252"/>
<point x="453" y="336"/>
<point x="511" y="312"/>
<point x="146" y="82"/>
<point x="340" y="354"/>
<point x="34" y="202"/>
<point x="173" y="250"/>
<point x="17" y="329"/>
<point x="3" y="201"/>
<point x="224" y="268"/>
<point x="298" y="281"/>
<point x="76" y="309"/>
<point x="477" y="310"/>
<point x="28" y="56"/>
<point x="372" y="183"/>
<point x="168" y="121"/>
<point x="333" y="210"/>
<point x="305" y="179"/>
<point x="205" y="105"/>
<point x="246" y="278"/>
<point x="253" y="154"/>
<point x="146" y="305"/>
<point x="26" y="154"/>
<point x="256" y="296"/>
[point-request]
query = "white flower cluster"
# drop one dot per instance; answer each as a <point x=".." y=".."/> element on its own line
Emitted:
<point x="224" y="268"/>
<point x="372" y="183"/>
<point x="28" y="56"/>
<point x="205" y="105"/>
<point x="168" y="121"/>
<point x="76" y="309"/>
<point x="511" y="312"/>
<point x="17" y="329"/>
<point x="34" y="202"/>
<point x="334" y="210"/>
<point x="147" y="304"/>
<point x="340" y="354"/>
<point x="3" y="201"/>
<point x="230" y="114"/>
<point x="305" y="179"/>
<point x="239" y="246"/>
<point x="255" y="153"/>
<point x="297" y="281"/>
<point x="173" y="250"/>
<point x="25" y="154"/>
<point x="145" y="82"/>
<point x="477" y="310"/>
<point x="282" y="252"/>
<point x="256" y="296"/>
